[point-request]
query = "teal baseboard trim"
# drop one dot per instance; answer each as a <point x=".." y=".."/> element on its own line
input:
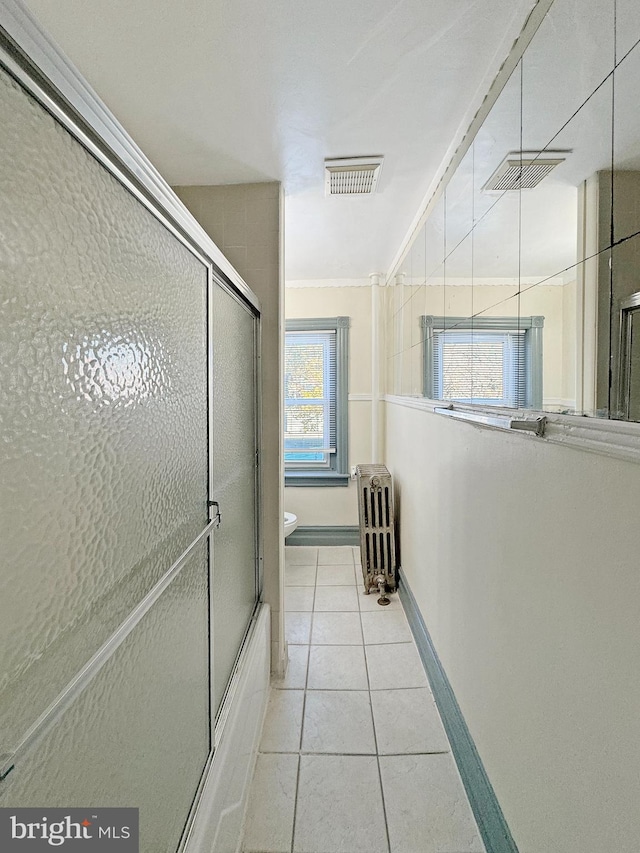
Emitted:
<point x="493" y="827"/>
<point x="318" y="535"/>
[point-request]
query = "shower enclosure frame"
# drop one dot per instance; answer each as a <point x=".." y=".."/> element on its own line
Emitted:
<point x="34" y="61"/>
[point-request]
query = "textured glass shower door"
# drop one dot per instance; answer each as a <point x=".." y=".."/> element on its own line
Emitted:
<point x="234" y="482"/>
<point x="106" y="647"/>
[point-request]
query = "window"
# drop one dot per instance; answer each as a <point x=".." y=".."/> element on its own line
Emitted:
<point x="316" y="402"/>
<point x="493" y="361"/>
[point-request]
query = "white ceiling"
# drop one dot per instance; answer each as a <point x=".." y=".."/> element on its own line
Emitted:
<point x="227" y="91"/>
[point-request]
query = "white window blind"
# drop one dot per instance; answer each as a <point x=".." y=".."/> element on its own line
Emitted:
<point x="310" y="398"/>
<point x="487" y="367"/>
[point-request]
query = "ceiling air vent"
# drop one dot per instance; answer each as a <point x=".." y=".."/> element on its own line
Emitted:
<point x="353" y="176"/>
<point x="523" y="170"/>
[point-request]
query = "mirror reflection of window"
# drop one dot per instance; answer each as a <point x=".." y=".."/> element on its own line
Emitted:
<point x="540" y="217"/>
<point x="493" y="361"/>
<point x="480" y="367"/>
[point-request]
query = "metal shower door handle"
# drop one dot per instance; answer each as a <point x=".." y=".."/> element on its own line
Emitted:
<point x="216" y="517"/>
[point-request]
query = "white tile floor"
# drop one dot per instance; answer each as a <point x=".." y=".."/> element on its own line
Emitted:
<point x="353" y="756"/>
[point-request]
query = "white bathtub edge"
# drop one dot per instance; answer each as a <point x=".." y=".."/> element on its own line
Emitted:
<point x="219" y="817"/>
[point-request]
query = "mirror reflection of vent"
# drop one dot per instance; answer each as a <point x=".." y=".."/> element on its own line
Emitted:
<point x="353" y="176"/>
<point x="523" y="170"/>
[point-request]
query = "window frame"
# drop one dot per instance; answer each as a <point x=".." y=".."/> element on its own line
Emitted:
<point x="532" y="327"/>
<point x="337" y="471"/>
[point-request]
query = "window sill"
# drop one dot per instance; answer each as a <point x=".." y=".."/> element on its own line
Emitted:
<point x="314" y="479"/>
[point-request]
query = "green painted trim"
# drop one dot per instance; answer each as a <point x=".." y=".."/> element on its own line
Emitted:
<point x="493" y="827"/>
<point x="505" y="324"/>
<point x="319" y="478"/>
<point x="534" y="363"/>
<point x="428" y="389"/>
<point x="315" y="324"/>
<point x="342" y="396"/>
<point x="330" y="535"/>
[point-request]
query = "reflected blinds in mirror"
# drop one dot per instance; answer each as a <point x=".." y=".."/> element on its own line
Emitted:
<point x="494" y="361"/>
<point x="480" y="367"/>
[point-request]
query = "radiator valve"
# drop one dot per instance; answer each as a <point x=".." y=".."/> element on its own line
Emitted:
<point x="382" y="589"/>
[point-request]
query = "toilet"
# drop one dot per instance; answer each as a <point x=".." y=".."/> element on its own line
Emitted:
<point x="290" y="523"/>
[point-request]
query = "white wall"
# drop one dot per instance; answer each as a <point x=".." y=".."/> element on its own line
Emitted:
<point x="333" y="298"/>
<point x="523" y="557"/>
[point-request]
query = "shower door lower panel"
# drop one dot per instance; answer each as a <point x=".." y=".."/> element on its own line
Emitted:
<point x="138" y="735"/>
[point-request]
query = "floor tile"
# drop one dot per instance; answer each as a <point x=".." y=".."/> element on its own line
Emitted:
<point x="298" y="598"/>
<point x="395" y="665"/>
<point x="269" y="821"/>
<point x="297" y="627"/>
<point x="370" y="602"/>
<point x="407" y="721"/>
<point x="336" y="629"/>
<point x="337" y="668"/>
<point x="336" y="575"/>
<point x="336" y="598"/>
<point x="300" y="555"/>
<point x="356" y="553"/>
<point x="335" y="555"/>
<point x="283" y="721"/>
<point x="338" y="721"/>
<point x="296" y="677"/>
<point x="427" y="810"/>
<point x="341" y="723"/>
<point x="386" y="626"/>
<point x="339" y="806"/>
<point x="300" y="575"/>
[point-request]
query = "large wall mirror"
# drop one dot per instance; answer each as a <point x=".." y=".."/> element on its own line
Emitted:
<point x="521" y="289"/>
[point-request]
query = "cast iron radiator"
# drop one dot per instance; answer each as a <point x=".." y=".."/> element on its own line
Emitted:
<point x="377" y="534"/>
